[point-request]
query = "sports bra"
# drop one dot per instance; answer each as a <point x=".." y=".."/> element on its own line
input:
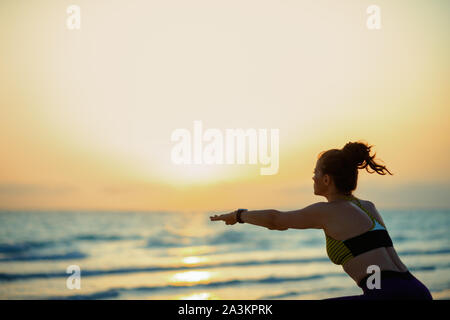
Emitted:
<point x="341" y="251"/>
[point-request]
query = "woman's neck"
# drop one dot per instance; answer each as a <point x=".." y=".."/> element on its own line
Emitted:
<point x="334" y="197"/>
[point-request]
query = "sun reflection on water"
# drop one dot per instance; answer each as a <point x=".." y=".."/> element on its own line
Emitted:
<point x="194" y="260"/>
<point x="190" y="251"/>
<point x="190" y="278"/>
<point x="199" y="296"/>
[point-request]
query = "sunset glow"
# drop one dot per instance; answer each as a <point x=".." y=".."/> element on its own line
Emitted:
<point x="87" y="115"/>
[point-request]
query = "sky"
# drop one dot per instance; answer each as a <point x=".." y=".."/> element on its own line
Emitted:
<point x="86" y="116"/>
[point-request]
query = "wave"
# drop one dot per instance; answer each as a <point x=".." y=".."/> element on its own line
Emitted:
<point x="14" y="248"/>
<point x="170" y="239"/>
<point x="26" y="246"/>
<point x="116" y="292"/>
<point x="228" y="237"/>
<point x="104" y="272"/>
<point x="290" y="294"/>
<point x="245" y="263"/>
<point x="54" y="257"/>
<point x="312" y="242"/>
<point x="103" y="237"/>
<point x="108" y="294"/>
<point x="400" y="239"/>
<point x="424" y="252"/>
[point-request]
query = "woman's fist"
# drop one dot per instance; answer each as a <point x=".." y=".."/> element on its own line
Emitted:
<point x="229" y="218"/>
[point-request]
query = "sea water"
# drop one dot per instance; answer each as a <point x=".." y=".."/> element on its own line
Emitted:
<point x="169" y="255"/>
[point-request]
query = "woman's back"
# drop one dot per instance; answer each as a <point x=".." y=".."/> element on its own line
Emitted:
<point x="347" y="220"/>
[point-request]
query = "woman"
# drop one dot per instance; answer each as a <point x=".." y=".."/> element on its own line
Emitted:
<point x="356" y="235"/>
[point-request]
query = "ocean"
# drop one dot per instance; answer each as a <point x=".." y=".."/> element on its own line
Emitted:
<point x="167" y="255"/>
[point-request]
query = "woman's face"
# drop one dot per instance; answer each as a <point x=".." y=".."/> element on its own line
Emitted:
<point x="320" y="187"/>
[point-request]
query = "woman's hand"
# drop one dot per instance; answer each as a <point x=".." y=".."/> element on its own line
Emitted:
<point x="229" y="218"/>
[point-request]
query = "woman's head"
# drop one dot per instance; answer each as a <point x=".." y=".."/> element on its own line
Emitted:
<point x="338" y="168"/>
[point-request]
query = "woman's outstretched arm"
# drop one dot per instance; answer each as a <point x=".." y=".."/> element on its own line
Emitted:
<point x="263" y="218"/>
<point x="312" y="216"/>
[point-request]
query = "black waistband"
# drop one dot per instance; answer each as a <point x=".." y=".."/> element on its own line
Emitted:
<point x="387" y="274"/>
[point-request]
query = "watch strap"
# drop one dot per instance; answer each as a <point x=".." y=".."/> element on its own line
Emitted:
<point x="238" y="215"/>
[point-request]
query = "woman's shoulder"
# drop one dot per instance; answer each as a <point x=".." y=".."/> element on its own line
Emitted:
<point x="372" y="209"/>
<point x="367" y="203"/>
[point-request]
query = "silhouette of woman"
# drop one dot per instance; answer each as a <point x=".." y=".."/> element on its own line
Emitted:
<point x="356" y="235"/>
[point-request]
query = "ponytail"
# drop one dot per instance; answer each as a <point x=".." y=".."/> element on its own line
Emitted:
<point x="343" y="164"/>
<point x="358" y="154"/>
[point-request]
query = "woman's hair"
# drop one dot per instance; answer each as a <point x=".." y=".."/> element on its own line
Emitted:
<point x="343" y="164"/>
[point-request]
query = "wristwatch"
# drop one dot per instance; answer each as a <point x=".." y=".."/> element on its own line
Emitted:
<point x="238" y="215"/>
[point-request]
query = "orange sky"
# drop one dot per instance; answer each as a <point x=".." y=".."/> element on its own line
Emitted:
<point x="86" y="115"/>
